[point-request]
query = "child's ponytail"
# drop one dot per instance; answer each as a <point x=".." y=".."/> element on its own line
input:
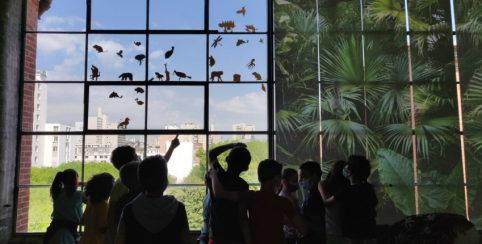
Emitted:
<point x="56" y="185"/>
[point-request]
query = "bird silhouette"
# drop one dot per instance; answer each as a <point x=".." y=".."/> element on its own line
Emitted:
<point x="181" y="75"/>
<point x="120" y="54"/>
<point x="242" y="11"/>
<point x="137" y="43"/>
<point x="169" y="53"/>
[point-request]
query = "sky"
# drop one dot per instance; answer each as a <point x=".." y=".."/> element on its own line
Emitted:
<point x="63" y="57"/>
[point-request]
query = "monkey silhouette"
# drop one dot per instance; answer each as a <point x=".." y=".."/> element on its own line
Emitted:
<point x="126" y="76"/>
<point x="95" y="73"/>
<point x="258" y="76"/>
<point x="217" y="74"/>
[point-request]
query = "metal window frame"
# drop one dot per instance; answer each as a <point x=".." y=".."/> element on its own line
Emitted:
<point x="270" y="132"/>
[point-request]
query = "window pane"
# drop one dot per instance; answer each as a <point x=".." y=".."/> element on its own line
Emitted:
<point x="185" y="53"/>
<point x="192" y="197"/>
<point x="59" y="57"/>
<point x="179" y="107"/>
<point x="120" y="107"/>
<point x="116" y="58"/>
<point x="57" y="106"/>
<point x="63" y="16"/>
<point x="165" y="15"/>
<point x="188" y="161"/>
<point x="118" y="14"/>
<point x="35" y="208"/>
<point x="239" y="58"/>
<point x="242" y="13"/>
<point x="232" y="104"/>
<point x="257" y="146"/>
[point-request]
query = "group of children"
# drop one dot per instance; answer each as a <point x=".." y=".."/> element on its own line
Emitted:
<point x="134" y="209"/>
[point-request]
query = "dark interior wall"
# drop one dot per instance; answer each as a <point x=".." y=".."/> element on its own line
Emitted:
<point x="10" y="44"/>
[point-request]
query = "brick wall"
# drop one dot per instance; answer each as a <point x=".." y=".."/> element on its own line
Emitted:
<point x="27" y="117"/>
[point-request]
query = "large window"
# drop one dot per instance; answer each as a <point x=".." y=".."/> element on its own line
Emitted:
<point x="118" y="73"/>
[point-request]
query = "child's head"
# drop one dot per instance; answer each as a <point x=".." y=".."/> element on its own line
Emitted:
<point x="335" y="179"/>
<point x="98" y="187"/>
<point x="357" y="168"/>
<point x="310" y="174"/>
<point x="269" y="171"/>
<point x="238" y="159"/>
<point x="152" y="173"/>
<point x="128" y="175"/>
<point x="122" y="155"/>
<point x="290" y="179"/>
<point x="67" y="180"/>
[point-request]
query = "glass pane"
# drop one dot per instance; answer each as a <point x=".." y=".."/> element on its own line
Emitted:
<point x="192" y="197"/>
<point x="238" y="105"/>
<point x="98" y="150"/>
<point x="40" y="207"/>
<point x="337" y="16"/>
<point x="391" y="210"/>
<point x="442" y="198"/>
<point x="53" y="105"/>
<point x="120" y="107"/>
<point x="257" y="146"/>
<point x="375" y="20"/>
<point x="63" y="16"/>
<point x="187" y="164"/>
<point x="430" y="16"/>
<point x="185" y="54"/>
<point x="238" y="58"/>
<point x="59" y="57"/>
<point x="43" y="156"/>
<point x="164" y="15"/>
<point x="244" y="13"/>
<point x="171" y="106"/>
<point x="118" y="14"/>
<point x="116" y="58"/>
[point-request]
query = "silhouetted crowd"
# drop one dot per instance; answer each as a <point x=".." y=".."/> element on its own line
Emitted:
<point x="133" y="209"/>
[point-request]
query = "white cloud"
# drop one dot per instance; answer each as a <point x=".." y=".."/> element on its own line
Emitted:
<point x="48" y="23"/>
<point x="68" y="43"/>
<point x="251" y="103"/>
<point x="156" y="54"/>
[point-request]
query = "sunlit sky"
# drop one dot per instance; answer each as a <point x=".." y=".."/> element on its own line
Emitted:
<point x="63" y="57"/>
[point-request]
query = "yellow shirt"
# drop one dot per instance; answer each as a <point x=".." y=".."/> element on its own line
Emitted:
<point x="95" y="223"/>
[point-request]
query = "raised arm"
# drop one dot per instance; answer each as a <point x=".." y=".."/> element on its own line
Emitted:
<point x="215" y="152"/>
<point x="327" y="198"/>
<point x="218" y="189"/>
<point x="174" y="143"/>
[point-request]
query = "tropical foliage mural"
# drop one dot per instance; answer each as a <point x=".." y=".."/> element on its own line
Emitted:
<point x="399" y="84"/>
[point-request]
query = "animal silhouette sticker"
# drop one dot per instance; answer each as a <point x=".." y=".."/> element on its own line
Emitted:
<point x="250" y="28"/>
<point x="139" y="102"/>
<point x="137" y="43"/>
<point x="120" y="54"/>
<point x="261" y="40"/>
<point x="99" y="49"/>
<point x="181" y="75"/>
<point x="258" y="76"/>
<point x="263" y="88"/>
<point x="211" y="61"/>
<point x="237" y="78"/>
<point x="251" y="64"/>
<point x="95" y="73"/>
<point x="123" y="124"/>
<point x="216" y="74"/>
<point x="240" y="42"/>
<point x="139" y="58"/>
<point x="227" y="25"/>
<point x="216" y="42"/>
<point x="139" y="90"/>
<point x="114" y="95"/>
<point x="159" y="75"/>
<point x="126" y="76"/>
<point x="242" y="11"/>
<point x="151" y="79"/>
<point x="168" y="77"/>
<point x="168" y="54"/>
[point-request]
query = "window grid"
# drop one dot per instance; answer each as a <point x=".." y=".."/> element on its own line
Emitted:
<point x="145" y="132"/>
